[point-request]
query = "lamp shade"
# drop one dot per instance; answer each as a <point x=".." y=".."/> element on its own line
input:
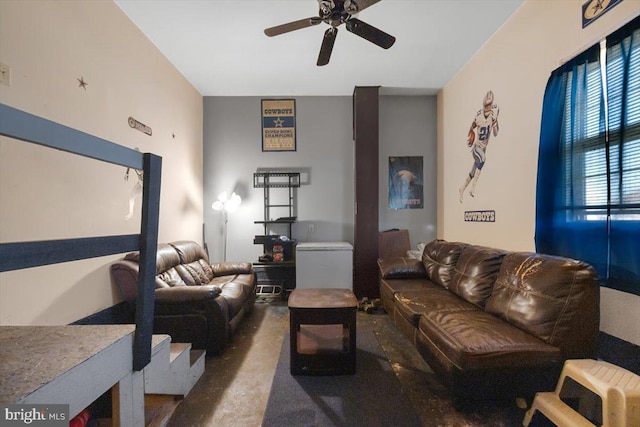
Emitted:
<point x="224" y="202"/>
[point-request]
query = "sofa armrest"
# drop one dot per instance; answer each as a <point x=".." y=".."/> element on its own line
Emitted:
<point x="125" y="274"/>
<point x="401" y="268"/>
<point x="230" y="268"/>
<point x="186" y="294"/>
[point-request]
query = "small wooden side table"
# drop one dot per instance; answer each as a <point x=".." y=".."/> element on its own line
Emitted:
<point x="322" y="331"/>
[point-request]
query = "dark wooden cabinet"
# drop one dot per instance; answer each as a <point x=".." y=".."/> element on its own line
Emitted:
<point x="365" y="135"/>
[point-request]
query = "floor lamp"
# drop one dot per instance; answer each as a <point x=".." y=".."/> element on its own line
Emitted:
<point x="226" y="204"/>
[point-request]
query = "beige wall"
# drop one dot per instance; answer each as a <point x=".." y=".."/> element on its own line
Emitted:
<point x="46" y="194"/>
<point x="515" y="64"/>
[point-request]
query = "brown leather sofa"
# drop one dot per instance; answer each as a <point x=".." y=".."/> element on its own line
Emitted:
<point x="195" y="301"/>
<point x="493" y="323"/>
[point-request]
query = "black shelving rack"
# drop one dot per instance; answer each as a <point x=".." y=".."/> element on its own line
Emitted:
<point x="277" y="180"/>
<point x="276" y="277"/>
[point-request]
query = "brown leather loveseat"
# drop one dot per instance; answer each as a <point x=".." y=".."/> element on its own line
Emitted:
<point x="493" y="323"/>
<point x="195" y="301"/>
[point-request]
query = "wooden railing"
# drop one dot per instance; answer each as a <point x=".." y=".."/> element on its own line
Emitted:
<point x="29" y="128"/>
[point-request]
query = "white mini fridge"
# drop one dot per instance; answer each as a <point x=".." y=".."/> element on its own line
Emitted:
<point x="324" y="265"/>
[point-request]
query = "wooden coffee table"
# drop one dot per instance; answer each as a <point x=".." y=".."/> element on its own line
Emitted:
<point x="322" y="331"/>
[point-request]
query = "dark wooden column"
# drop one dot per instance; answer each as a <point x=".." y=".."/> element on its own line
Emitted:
<point x="365" y="248"/>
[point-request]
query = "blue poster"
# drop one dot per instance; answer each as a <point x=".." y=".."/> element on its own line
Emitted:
<point x="406" y="182"/>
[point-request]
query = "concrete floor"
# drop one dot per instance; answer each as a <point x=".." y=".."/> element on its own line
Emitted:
<point x="235" y="387"/>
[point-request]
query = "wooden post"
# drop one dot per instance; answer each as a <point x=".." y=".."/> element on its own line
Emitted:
<point x="365" y="247"/>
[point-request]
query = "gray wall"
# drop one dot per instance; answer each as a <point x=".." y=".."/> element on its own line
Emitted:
<point x="408" y="128"/>
<point x="232" y="153"/>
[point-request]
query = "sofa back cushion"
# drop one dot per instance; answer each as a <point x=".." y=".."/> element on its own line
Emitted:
<point x="189" y="251"/>
<point x="194" y="266"/>
<point x="167" y="260"/>
<point x="439" y="258"/>
<point x="475" y="273"/>
<point x="553" y="298"/>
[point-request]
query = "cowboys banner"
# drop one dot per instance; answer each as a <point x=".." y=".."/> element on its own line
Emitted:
<point x="278" y="125"/>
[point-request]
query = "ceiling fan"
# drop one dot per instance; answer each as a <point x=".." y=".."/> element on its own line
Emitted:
<point x="336" y="13"/>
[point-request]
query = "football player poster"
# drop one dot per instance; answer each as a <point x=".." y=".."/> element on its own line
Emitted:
<point x="406" y="183"/>
<point x="482" y="127"/>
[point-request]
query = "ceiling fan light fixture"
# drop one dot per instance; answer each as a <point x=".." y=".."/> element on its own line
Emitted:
<point x="326" y="7"/>
<point x="351" y="7"/>
<point x="335" y="13"/>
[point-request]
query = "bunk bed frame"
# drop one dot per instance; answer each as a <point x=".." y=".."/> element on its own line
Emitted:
<point x="29" y="128"/>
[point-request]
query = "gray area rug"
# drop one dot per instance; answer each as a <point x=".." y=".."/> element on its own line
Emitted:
<point x="372" y="397"/>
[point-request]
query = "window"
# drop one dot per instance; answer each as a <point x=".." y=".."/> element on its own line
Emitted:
<point x="623" y="85"/>
<point x="588" y="195"/>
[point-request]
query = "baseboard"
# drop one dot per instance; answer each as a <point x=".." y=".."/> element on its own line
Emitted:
<point x="118" y="314"/>
<point x="619" y="352"/>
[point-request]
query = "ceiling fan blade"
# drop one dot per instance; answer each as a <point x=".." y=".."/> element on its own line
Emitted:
<point x="370" y="33"/>
<point x="354" y="6"/>
<point x="292" y="26"/>
<point x="327" y="46"/>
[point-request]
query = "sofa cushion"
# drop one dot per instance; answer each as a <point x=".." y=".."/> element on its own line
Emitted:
<point x="553" y="298"/>
<point x="475" y="273"/>
<point x="439" y="258"/>
<point x="234" y="294"/>
<point x="189" y="251"/>
<point x="475" y="339"/>
<point x="194" y="266"/>
<point x="227" y="268"/>
<point x="186" y="294"/>
<point x="388" y="287"/>
<point x="195" y="273"/>
<point x="167" y="259"/>
<point x="169" y="279"/>
<point x="412" y="304"/>
<point x="401" y="267"/>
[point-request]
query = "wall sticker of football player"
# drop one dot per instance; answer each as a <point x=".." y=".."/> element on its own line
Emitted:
<point x="484" y="124"/>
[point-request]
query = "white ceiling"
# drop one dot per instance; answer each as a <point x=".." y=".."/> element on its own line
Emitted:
<point x="220" y="46"/>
